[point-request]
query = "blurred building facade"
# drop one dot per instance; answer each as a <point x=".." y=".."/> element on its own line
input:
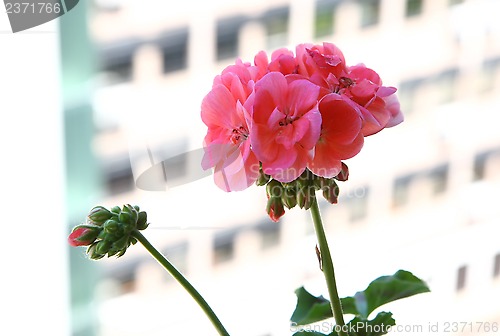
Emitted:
<point x="421" y="196"/>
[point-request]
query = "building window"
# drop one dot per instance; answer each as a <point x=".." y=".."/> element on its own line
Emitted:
<point x="461" y="278"/>
<point x="439" y="177"/>
<point x="324" y="18"/>
<point x="223" y="248"/>
<point x="177" y="255"/>
<point x="119" y="176"/>
<point x="406" y="94"/>
<point x="496" y="266"/>
<point x="173" y="45"/>
<point x="116" y="62"/>
<point x="276" y="23"/>
<point x="481" y="162"/>
<point x="370" y="12"/>
<point x="413" y="7"/>
<point x="401" y="190"/>
<point x="455" y="2"/>
<point x="479" y="166"/>
<point x="489" y="73"/>
<point x="357" y="203"/>
<point x="270" y="234"/>
<point x="124" y="277"/>
<point x="445" y="85"/>
<point x="106" y="5"/>
<point x="174" y="169"/>
<point x="227" y="37"/>
<point x="119" y="71"/>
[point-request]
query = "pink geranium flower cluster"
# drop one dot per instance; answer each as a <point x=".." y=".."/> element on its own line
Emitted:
<point x="307" y="110"/>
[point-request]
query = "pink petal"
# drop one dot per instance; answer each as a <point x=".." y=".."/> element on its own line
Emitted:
<point x="263" y="142"/>
<point x="216" y="108"/>
<point x="392" y="104"/>
<point x="270" y="92"/>
<point x="237" y="172"/>
<point x="311" y="136"/>
<point x="385" y="91"/>
<point x="324" y="165"/>
<point x="283" y="159"/>
<point x="302" y="96"/>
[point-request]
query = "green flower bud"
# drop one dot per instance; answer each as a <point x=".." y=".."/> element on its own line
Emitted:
<point x="331" y="193"/>
<point x="133" y="213"/>
<point x="109" y="232"/>
<point x="317" y="182"/>
<point x="274" y="189"/>
<point x="142" y="219"/>
<point x="289" y="197"/>
<point x="343" y="175"/>
<point x="116" y="210"/>
<point x="263" y="179"/>
<point x="121" y="243"/>
<point x="125" y="218"/>
<point x="91" y="252"/>
<point x="98" y="215"/>
<point x="102" y="247"/>
<point x="275" y="208"/>
<point x="306" y="196"/>
<point x="112" y="227"/>
<point x="325" y="182"/>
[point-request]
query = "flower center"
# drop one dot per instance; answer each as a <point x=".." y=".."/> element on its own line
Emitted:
<point x="239" y="135"/>
<point x="345" y="82"/>
<point x="287" y="120"/>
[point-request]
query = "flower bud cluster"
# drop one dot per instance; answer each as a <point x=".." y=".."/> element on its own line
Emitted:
<point x="301" y="191"/>
<point x="109" y="232"/>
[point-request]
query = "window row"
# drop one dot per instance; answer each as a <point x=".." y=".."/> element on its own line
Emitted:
<point x="223" y="251"/>
<point x="116" y="60"/>
<point x="442" y="87"/>
<point x="462" y="273"/>
<point x="423" y="183"/>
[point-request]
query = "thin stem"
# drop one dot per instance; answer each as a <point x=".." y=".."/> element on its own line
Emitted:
<point x="183" y="281"/>
<point x="328" y="271"/>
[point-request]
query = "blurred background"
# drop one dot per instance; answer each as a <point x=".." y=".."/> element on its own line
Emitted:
<point x="95" y="101"/>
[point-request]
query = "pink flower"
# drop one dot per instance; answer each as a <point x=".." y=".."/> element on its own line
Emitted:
<point x="323" y="64"/>
<point x="239" y="79"/>
<point x="378" y="103"/>
<point x="283" y="60"/>
<point x="226" y="146"/>
<point x="292" y="112"/>
<point x="341" y="136"/>
<point x="286" y="124"/>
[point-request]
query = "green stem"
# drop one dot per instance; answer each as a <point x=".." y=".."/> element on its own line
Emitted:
<point x="183" y="281"/>
<point x="328" y="271"/>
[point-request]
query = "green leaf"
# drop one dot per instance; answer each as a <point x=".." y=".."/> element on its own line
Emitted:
<point x="387" y="289"/>
<point x="310" y="308"/>
<point x="380" y="325"/>
<point x="349" y="305"/>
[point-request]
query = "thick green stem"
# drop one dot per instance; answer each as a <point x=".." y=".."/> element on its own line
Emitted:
<point x="327" y="266"/>
<point x="183" y="281"/>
